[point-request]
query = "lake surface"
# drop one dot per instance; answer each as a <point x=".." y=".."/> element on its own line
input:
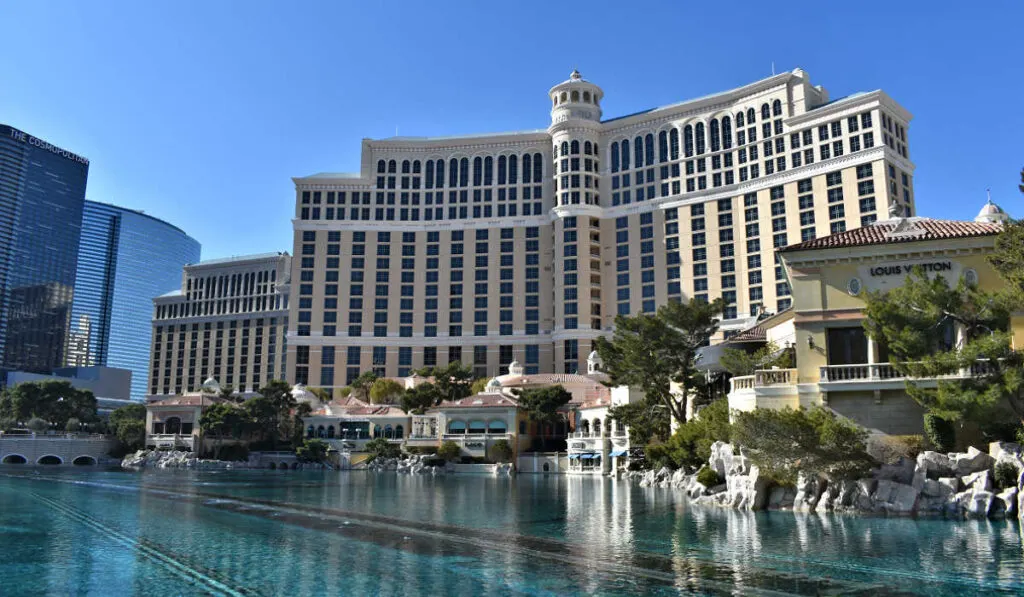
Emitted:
<point x="75" y="532"/>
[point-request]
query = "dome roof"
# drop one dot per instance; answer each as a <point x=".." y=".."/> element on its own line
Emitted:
<point x="211" y="385"/>
<point x="990" y="212"/>
<point x="301" y="394"/>
<point x="494" y="385"/>
<point x="594" y="356"/>
<point x="513" y="364"/>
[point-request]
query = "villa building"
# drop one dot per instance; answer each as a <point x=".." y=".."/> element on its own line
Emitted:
<point x="172" y="422"/>
<point x="837" y="364"/>
<point x="477" y="422"/>
<point x="524" y="246"/>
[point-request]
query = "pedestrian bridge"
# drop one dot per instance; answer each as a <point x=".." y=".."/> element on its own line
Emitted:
<point x="70" y="449"/>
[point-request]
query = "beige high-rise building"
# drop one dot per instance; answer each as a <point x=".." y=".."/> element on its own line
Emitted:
<point x="228" y="322"/>
<point x="525" y="246"/>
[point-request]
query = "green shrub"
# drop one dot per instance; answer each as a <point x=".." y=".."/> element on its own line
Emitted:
<point x="502" y="451"/>
<point x="449" y="450"/>
<point x="708" y="477"/>
<point x="38" y="425"/>
<point x="382" y="448"/>
<point x="311" y="450"/>
<point x="421" y="449"/>
<point x="1006" y="475"/>
<point x="786" y="442"/>
<point x="940" y="432"/>
<point x="72" y="425"/>
<point x="690" y="445"/>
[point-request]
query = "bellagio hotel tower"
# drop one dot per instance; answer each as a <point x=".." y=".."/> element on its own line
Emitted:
<point x="524" y="246"/>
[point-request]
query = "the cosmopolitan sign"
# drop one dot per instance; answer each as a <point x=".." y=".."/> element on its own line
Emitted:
<point x="903" y="269"/>
<point x="37" y="142"/>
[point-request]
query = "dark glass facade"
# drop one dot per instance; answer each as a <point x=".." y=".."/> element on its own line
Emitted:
<point x="126" y="259"/>
<point x="42" y="192"/>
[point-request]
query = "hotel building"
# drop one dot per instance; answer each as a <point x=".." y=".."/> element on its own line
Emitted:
<point x="227" y="322"/>
<point x="524" y="246"/>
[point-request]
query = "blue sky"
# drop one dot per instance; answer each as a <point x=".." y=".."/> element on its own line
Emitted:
<point x="201" y="112"/>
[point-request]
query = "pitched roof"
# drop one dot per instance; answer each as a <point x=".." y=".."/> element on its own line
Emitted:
<point x="189" y="400"/>
<point x="485" y="400"/>
<point x="900" y="230"/>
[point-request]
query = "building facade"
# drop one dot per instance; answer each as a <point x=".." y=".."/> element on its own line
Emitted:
<point x="125" y="258"/>
<point x="227" y="322"/>
<point x="42" y="192"/>
<point x="837" y="364"/>
<point x="525" y="246"/>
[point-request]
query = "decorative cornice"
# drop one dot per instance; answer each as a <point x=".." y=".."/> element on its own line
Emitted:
<point x="903" y="251"/>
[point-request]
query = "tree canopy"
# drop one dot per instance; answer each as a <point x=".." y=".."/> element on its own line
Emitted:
<point x="740" y="362"/>
<point x="386" y="391"/>
<point x="542" y="404"/>
<point x="652" y="351"/>
<point x="50" y="400"/>
<point x="453" y="381"/>
<point x="932" y="329"/>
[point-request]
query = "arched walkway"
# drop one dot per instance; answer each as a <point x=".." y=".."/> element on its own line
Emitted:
<point x="84" y="461"/>
<point x="50" y="459"/>
<point x="283" y="466"/>
<point x="15" y="459"/>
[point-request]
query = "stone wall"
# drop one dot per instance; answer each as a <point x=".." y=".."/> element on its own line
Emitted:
<point x="67" y="448"/>
<point x="894" y="414"/>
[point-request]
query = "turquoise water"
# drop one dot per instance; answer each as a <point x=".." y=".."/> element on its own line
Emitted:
<point x="76" y="532"/>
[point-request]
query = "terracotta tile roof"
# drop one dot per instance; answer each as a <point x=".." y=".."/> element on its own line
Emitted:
<point x="899" y="231"/>
<point x="485" y="400"/>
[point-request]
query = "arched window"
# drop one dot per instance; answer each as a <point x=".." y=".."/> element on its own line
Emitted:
<point x="453" y="172"/>
<point x="440" y="174"/>
<point x="565" y="148"/>
<point x="765" y="113"/>
<point x="321" y="432"/>
<point x="416" y="167"/>
<point x="586" y="96"/>
<point x="673" y="142"/>
<point x="649" y="149"/>
<point x="625" y="154"/>
<point x="563" y="97"/>
<point x="700" y="137"/>
<point x="330" y="432"/>
<point x="688" y="140"/>
<point x="392" y="166"/>
<point x="464" y="172"/>
<point x="310" y="431"/>
<point x="587" y="148"/>
<point x="716" y="137"/>
<point x="726" y="132"/>
<point x="739" y="118"/>
<point x="575" y="147"/>
<point x="597" y="426"/>
<point x="585" y="426"/>
<point x="777" y="108"/>
<point x="478" y="166"/>
<point x="378" y="431"/>
<point x="381" y="166"/>
<point x="497" y="427"/>
<point x="488" y="171"/>
<point x="575" y="96"/>
<point x="477" y="427"/>
<point x="638" y="152"/>
<point x="399" y="432"/>
<point x="750" y="116"/>
<point x="502" y="169"/>
<point x="429" y="183"/>
<point x="538" y="168"/>
<point x="406" y="166"/>
<point x="663" y="146"/>
<point x="457" y="427"/>
<point x="615" y="157"/>
<point x="513" y="169"/>
<point x="389" y="432"/>
<point x="526" y="167"/>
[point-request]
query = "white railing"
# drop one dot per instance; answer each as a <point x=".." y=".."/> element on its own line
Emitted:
<point x="887" y="372"/>
<point x="477" y="436"/>
<point x="743" y="382"/>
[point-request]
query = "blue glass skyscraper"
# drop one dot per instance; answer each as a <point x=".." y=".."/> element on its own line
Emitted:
<point x="125" y="259"/>
<point x="42" y="191"/>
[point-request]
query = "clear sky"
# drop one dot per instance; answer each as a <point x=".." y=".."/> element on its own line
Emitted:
<point x="201" y="112"/>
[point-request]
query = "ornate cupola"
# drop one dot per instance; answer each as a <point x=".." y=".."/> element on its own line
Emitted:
<point x="992" y="214"/>
<point x="575" y="99"/>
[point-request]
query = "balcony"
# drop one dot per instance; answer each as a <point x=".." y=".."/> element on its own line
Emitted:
<point x="883" y="376"/>
<point x="170" y="440"/>
<point x="766" y="388"/>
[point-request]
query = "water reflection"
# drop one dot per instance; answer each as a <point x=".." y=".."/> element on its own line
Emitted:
<point x="318" y="533"/>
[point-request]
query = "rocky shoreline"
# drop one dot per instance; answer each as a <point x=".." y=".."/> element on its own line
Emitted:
<point x="416" y="464"/>
<point x="955" y="485"/>
<point x="177" y="459"/>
